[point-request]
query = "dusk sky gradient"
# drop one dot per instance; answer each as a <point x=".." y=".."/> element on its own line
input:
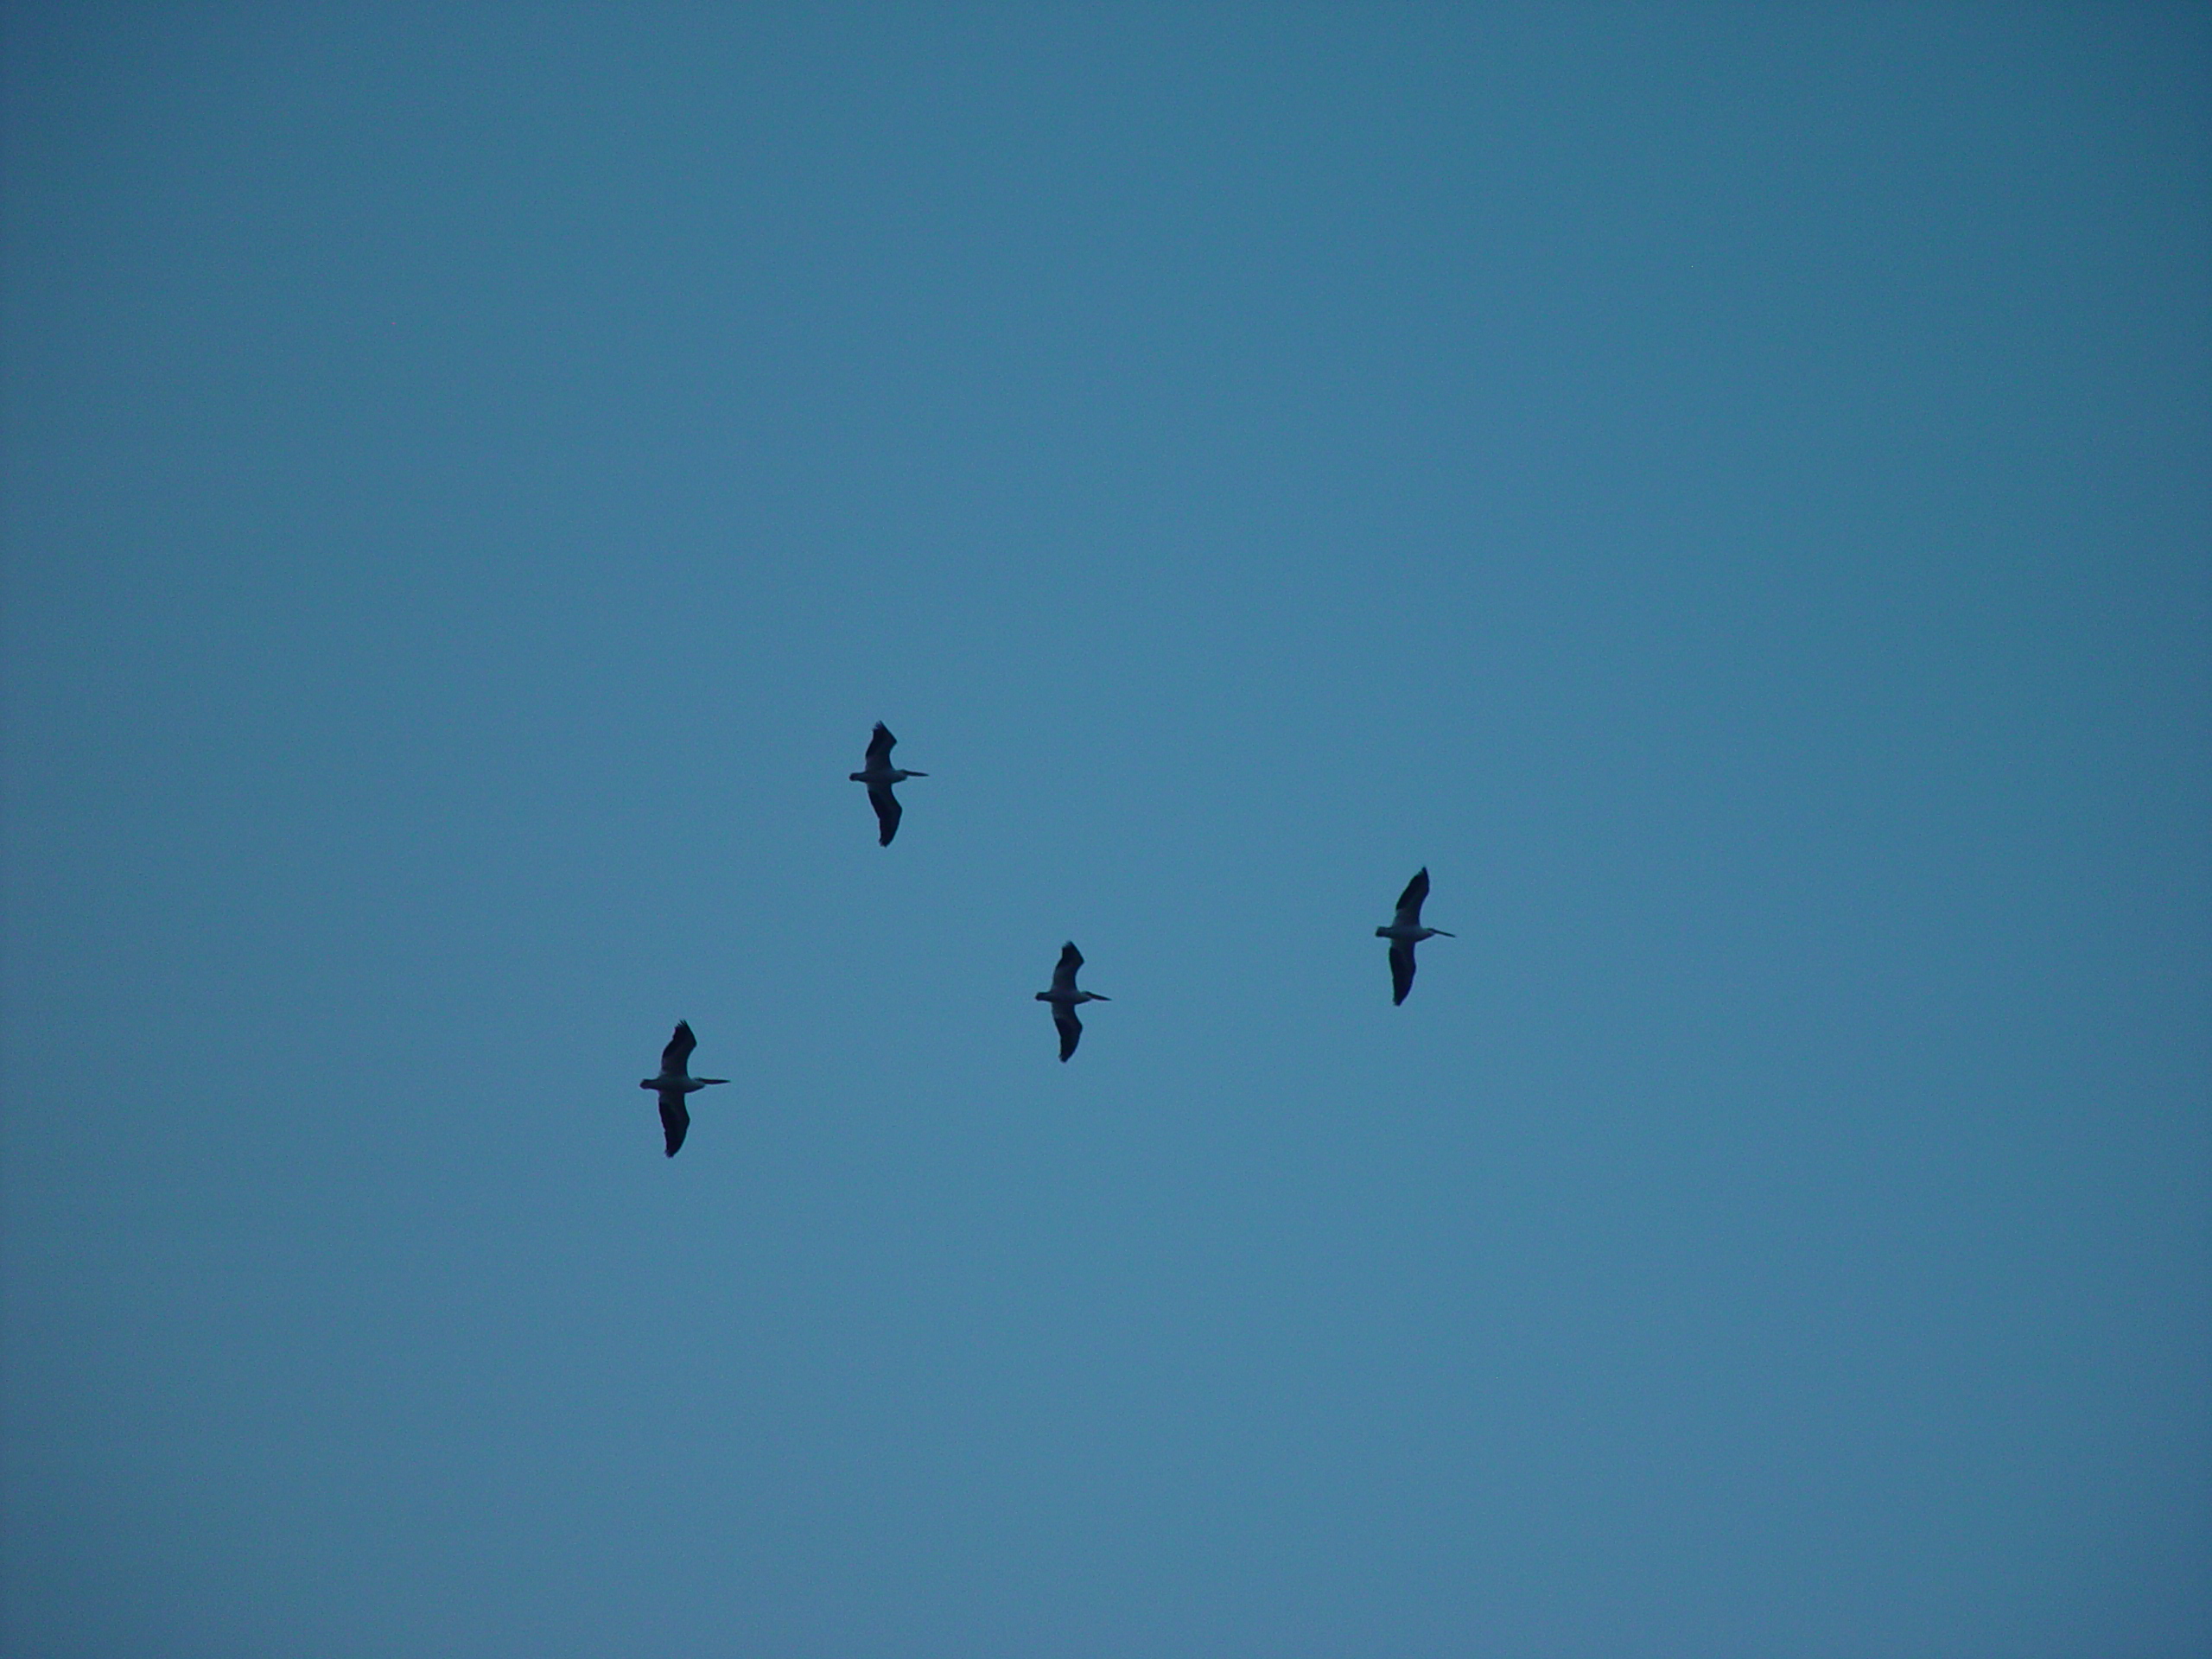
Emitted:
<point x="1727" y="488"/>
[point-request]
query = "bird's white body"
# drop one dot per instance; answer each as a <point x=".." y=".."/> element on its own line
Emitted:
<point x="686" y="1084"/>
<point x="1411" y="935"/>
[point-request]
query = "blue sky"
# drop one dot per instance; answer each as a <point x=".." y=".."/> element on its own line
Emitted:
<point x="1727" y="489"/>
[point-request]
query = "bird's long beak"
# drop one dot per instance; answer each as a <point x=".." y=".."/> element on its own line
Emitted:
<point x="714" y="1079"/>
<point x="1097" y="998"/>
<point x="918" y="774"/>
<point x="1448" y="936"/>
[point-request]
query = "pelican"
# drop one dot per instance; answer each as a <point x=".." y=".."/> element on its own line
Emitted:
<point x="1406" y="932"/>
<point x="674" y="1083"/>
<point x="878" y="775"/>
<point x="1064" y="996"/>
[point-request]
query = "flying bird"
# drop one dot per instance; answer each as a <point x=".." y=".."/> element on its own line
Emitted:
<point x="1406" y="932"/>
<point x="1064" y="997"/>
<point x="674" y="1083"/>
<point x="878" y="775"/>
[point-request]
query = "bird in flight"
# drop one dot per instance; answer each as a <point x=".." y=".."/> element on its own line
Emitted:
<point x="878" y="775"/>
<point x="1064" y="997"/>
<point x="1406" y="932"/>
<point x="674" y="1083"/>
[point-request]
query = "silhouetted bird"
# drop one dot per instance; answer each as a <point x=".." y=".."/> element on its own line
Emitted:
<point x="1064" y="997"/>
<point x="1406" y="932"/>
<point x="878" y="775"/>
<point x="674" y="1083"/>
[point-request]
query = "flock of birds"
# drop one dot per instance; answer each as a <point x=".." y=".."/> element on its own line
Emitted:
<point x="676" y="1082"/>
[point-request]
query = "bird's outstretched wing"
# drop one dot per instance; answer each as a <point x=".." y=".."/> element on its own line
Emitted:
<point x="1401" y="971"/>
<point x="1071" y="1028"/>
<point x="675" y="1119"/>
<point x="678" y="1051"/>
<point x="1063" y="974"/>
<point x="1409" y="901"/>
<point x="888" y="812"/>
<point x="879" y="746"/>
